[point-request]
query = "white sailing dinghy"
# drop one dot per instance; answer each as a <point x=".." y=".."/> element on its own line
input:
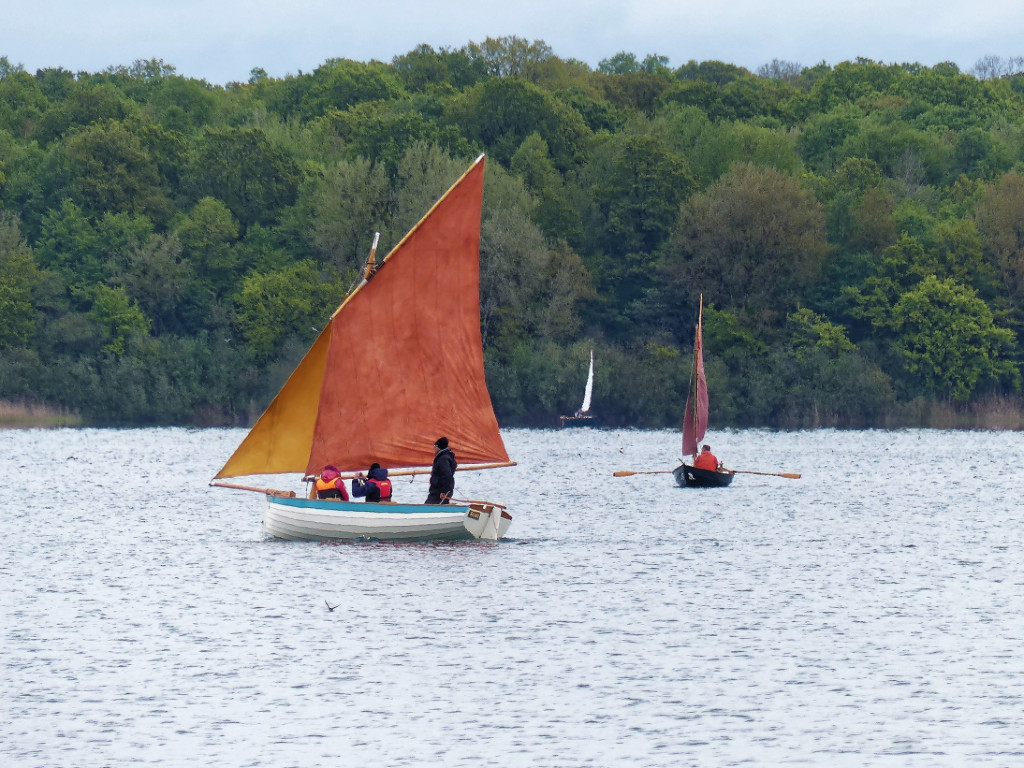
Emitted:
<point x="399" y="363"/>
<point x="583" y="417"/>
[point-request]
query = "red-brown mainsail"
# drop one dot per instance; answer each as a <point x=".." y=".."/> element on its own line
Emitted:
<point x="695" y="422"/>
<point x="399" y="364"/>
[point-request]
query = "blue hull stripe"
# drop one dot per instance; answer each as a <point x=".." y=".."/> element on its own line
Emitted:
<point x="363" y="506"/>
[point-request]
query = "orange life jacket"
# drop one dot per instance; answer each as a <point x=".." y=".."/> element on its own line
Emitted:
<point x="706" y="460"/>
<point x="337" y="484"/>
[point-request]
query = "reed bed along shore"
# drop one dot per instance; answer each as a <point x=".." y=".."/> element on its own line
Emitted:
<point x="20" y="415"/>
<point x="992" y="413"/>
<point x="995" y="413"/>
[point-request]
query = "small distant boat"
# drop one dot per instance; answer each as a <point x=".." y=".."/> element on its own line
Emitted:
<point x="583" y="417"/>
<point x="399" y="363"/>
<point x="695" y="422"/>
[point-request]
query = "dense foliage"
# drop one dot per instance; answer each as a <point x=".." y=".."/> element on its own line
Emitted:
<point x="169" y="248"/>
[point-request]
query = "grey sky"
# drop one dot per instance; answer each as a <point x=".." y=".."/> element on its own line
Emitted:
<point x="222" y="40"/>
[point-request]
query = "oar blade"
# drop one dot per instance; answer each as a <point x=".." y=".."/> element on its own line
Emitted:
<point x="790" y="475"/>
<point x="628" y="472"/>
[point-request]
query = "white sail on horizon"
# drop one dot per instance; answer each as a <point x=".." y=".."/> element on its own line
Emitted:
<point x="590" y="386"/>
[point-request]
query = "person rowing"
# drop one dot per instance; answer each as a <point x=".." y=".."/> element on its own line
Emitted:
<point x="707" y="460"/>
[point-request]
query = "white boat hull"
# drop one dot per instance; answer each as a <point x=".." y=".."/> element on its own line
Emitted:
<point x="323" y="519"/>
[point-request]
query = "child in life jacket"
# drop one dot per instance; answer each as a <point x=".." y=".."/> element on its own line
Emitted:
<point x="376" y="486"/>
<point x="330" y="485"/>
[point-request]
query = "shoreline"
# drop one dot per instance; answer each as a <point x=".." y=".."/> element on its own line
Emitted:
<point x="998" y="413"/>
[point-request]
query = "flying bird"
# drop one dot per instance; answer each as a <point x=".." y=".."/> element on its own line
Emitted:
<point x="330" y="607"/>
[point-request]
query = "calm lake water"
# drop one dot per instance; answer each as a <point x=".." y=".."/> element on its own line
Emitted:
<point x="868" y="614"/>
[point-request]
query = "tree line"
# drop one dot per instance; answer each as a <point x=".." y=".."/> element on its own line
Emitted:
<point x="169" y="248"/>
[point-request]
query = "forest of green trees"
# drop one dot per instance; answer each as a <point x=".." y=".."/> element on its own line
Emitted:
<point x="169" y="248"/>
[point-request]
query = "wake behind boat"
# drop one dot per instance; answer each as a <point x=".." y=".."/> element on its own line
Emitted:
<point x="422" y="303"/>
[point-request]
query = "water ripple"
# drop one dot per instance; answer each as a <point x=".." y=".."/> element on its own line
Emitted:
<point x="866" y="615"/>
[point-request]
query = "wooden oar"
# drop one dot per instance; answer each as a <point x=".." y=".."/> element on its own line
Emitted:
<point x="628" y="472"/>
<point x="268" y="491"/>
<point x="790" y="475"/>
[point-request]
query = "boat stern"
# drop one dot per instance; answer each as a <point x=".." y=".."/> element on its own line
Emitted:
<point x="487" y="521"/>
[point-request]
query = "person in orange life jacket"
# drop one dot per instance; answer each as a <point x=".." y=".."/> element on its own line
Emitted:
<point x="442" y="473"/>
<point x="376" y="486"/>
<point x="707" y="460"/>
<point x="330" y="485"/>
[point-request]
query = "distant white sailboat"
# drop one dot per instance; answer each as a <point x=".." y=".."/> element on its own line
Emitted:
<point x="583" y="417"/>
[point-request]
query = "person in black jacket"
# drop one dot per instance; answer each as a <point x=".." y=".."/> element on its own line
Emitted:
<point x="442" y="473"/>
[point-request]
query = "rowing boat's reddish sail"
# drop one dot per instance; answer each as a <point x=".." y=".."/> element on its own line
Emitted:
<point x="695" y="423"/>
<point x="399" y="364"/>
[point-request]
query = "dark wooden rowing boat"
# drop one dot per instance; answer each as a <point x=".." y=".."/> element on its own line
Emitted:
<point x="691" y="477"/>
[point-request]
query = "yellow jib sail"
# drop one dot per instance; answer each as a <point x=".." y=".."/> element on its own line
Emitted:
<point x="399" y="364"/>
